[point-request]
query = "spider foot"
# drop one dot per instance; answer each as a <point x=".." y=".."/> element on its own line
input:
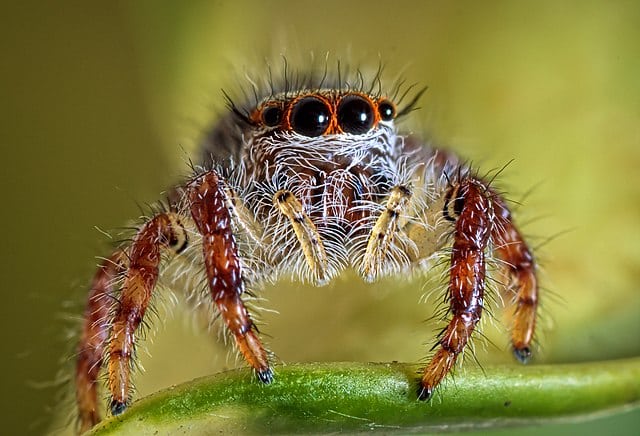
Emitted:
<point x="265" y="375"/>
<point x="117" y="407"/>
<point x="522" y="354"/>
<point x="425" y="393"/>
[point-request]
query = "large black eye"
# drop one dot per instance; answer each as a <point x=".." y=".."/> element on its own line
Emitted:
<point x="310" y="116"/>
<point x="387" y="110"/>
<point x="355" y="114"/>
<point x="271" y="116"/>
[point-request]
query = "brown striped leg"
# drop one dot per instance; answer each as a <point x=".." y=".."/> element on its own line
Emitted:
<point x="211" y="215"/>
<point x="521" y="268"/>
<point x="470" y="203"/>
<point x="164" y="231"/>
<point x="94" y="336"/>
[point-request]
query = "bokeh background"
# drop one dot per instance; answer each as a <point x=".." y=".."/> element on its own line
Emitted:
<point x="103" y="103"/>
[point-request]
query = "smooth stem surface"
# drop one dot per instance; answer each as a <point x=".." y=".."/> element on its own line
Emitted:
<point x="355" y="397"/>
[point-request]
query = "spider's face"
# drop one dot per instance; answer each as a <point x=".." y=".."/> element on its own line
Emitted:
<point x="333" y="149"/>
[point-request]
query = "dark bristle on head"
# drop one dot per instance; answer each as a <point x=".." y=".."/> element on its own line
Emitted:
<point x="411" y="106"/>
<point x="242" y="116"/>
<point x="285" y="81"/>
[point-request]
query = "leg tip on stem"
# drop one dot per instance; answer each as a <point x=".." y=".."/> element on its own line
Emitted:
<point x="265" y="375"/>
<point x="522" y="354"/>
<point x="425" y="393"/>
<point x="117" y="407"/>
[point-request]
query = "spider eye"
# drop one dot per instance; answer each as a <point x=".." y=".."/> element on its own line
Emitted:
<point x="271" y="116"/>
<point x="310" y="116"/>
<point x="355" y="114"/>
<point x="387" y="110"/>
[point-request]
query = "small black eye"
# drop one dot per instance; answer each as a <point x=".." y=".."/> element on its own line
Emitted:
<point x="271" y="116"/>
<point x="387" y="110"/>
<point x="355" y="114"/>
<point x="310" y="116"/>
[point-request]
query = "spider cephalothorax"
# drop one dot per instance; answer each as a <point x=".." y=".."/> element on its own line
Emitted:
<point x="307" y="183"/>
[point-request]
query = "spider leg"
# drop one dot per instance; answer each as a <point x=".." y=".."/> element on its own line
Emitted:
<point x="164" y="231"/>
<point x="305" y="231"/>
<point x="383" y="232"/>
<point x="520" y="265"/>
<point x="470" y="202"/>
<point x="95" y="332"/>
<point x="209" y="209"/>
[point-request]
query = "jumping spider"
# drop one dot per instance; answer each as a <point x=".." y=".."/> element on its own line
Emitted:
<point x="307" y="182"/>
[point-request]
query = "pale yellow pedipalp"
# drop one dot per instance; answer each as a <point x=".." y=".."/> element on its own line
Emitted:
<point x="305" y="231"/>
<point x="384" y="231"/>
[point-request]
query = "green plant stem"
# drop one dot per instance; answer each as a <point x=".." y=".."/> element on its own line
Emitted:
<point x="355" y="397"/>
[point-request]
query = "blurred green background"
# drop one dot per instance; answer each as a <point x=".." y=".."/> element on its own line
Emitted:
<point x="102" y="104"/>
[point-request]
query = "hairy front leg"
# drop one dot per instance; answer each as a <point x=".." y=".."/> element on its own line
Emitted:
<point x="210" y="212"/>
<point x="95" y="332"/>
<point x="164" y="231"/>
<point x="468" y="204"/>
<point x="520" y="265"/>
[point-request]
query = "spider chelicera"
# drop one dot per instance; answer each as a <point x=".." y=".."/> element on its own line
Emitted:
<point x="306" y="183"/>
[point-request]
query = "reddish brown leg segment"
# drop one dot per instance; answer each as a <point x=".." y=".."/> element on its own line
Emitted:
<point x="224" y="270"/>
<point x="466" y="284"/>
<point x="162" y="231"/>
<point x="93" y="339"/>
<point x="511" y="248"/>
